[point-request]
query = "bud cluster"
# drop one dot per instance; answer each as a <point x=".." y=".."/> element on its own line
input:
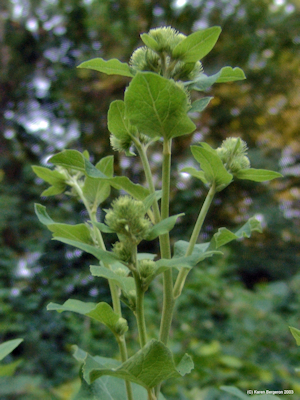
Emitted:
<point x="233" y="153"/>
<point x="127" y="218"/>
<point x="146" y="269"/>
<point x="152" y="59"/>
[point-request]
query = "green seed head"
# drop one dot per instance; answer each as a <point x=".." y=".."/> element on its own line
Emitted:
<point x="123" y="251"/>
<point x="233" y="153"/>
<point x="121" y="326"/>
<point x="127" y="218"/>
<point x="146" y="268"/>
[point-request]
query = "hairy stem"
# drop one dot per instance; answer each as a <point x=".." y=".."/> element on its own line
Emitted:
<point x="181" y="277"/>
<point x="139" y="310"/>
<point x="112" y="286"/>
<point x="168" y="300"/>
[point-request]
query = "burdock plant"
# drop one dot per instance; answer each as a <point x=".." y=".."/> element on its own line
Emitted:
<point x="156" y="109"/>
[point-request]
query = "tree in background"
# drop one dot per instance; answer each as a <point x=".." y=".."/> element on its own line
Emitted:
<point x="47" y="105"/>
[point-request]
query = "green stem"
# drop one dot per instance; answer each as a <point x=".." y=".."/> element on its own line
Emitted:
<point x="196" y="231"/>
<point x="124" y="356"/>
<point x="113" y="288"/>
<point x="139" y="310"/>
<point x="168" y="300"/>
<point x="148" y="174"/>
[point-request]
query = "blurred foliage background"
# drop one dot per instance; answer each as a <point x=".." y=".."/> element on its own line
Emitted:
<point x="234" y="314"/>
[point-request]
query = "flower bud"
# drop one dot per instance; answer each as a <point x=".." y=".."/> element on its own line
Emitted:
<point x="146" y="268"/>
<point x="121" y="326"/>
<point x="233" y="153"/>
<point x="127" y="219"/>
<point x="123" y="251"/>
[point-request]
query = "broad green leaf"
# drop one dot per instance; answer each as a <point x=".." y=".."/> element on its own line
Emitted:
<point x="103" y="227"/>
<point x="157" y="106"/>
<point x="149" y="41"/>
<point x="163" y="227"/>
<point x="148" y="201"/>
<point x="195" y="46"/>
<point x="238" y="393"/>
<point x="117" y="122"/>
<point x="212" y="166"/>
<point x="148" y="367"/>
<point x="55" y="178"/>
<point x="257" y="175"/>
<point x="135" y="190"/>
<point x="200" y="105"/>
<point x="110" y="67"/>
<point x="229" y="74"/>
<point x="42" y="214"/>
<point x="79" y="232"/>
<point x="106" y="166"/>
<point x="226" y="74"/>
<point x="103" y="255"/>
<point x="97" y="190"/>
<point x="107" y="387"/>
<point x="54" y="190"/>
<point x="296" y="333"/>
<point x="195" y="173"/>
<point x="224" y="236"/>
<point x="8" y="346"/>
<point x="73" y="159"/>
<point x="126" y="283"/>
<point x="101" y="312"/>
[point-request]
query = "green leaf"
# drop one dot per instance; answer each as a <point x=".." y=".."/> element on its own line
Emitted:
<point x="148" y="201"/>
<point x="157" y="106"/>
<point x="226" y="74"/>
<point x="118" y="124"/>
<point x="149" y="42"/>
<point x="195" y="173"/>
<point x="103" y="255"/>
<point x="212" y="166"/>
<point x="229" y="74"/>
<point x="148" y="367"/>
<point x="179" y="260"/>
<point x="195" y="46"/>
<point x="126" y="283"/>
<point x="238" y="393"/>
<point x="79" y="232"/>
<point x="54" y="190"/>
<point x="101" y="312"/>
<point x="200" y="105"/>
<point x="8" y="346"/>
<point x="224" y="235"/>
<point x="296" y="333"/>
<point x="55" y="178"/>
<point x="135" y="190"/>
<point x="163" y="227"/>
<point x="42" y="214"/>
<point x="106" y="387"/>
<point x="257" y="175"/>
<point x="110" y="67"/>
<point x="96" y="190"/>
<point x="73" y="159"/>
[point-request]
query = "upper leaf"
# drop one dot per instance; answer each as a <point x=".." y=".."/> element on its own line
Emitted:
<point x="224" y="235"/>
<point x="200" y="105"/>
<point x="101" y="312"/>
<point x="163" y="227"/>
<point x="117" y="123"/>
<point x="110" y="67"/>
<point x="126" y="283"/>
<point x="195" y="46"/>
<point x="212" y="166"/>
<point x="157" y="106"/>
<point x="79" y="232"/>
<point x="226" y="74"/>
<point x="257" y="175"/>
<point x="148" y="367"/>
